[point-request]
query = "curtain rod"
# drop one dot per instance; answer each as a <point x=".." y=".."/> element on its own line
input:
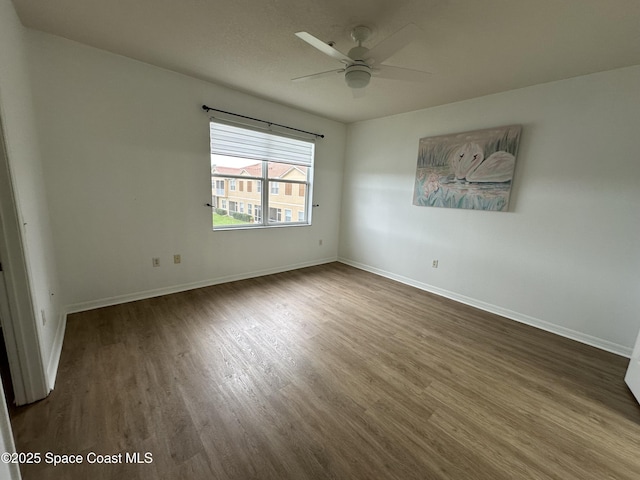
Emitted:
<point x="208" y="109"/>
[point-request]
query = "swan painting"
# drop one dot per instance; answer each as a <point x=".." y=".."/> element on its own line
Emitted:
<point x="468" y="163"/>
<point x="467" y="170"/>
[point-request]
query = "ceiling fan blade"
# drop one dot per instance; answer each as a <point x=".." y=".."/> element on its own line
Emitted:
<point x="398" y="73"/>
<point x="318" y="75"/>
<point x="394" y="43"/>
<point x="323" y="47"/>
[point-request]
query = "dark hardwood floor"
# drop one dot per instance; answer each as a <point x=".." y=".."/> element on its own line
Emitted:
<point x="329" y="373"/>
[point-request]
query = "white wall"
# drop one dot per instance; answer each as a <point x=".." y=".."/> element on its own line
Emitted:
<point x="566" y="256"/>
<point x="32" y="273"/>
<point x="128" y="173"/>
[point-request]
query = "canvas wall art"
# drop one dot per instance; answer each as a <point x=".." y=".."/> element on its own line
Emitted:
<point x="471" y="170"/>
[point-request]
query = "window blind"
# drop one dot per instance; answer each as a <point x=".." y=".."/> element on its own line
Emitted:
<point x="258" y="145"/>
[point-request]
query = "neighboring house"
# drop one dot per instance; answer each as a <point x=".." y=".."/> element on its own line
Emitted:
<point x="236" y="195"/>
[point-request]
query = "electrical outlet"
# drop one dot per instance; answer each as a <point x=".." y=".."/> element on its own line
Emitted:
<point x="155" y="261"/>
<point x="435" y="264"/>
<point x="176" y="258"/>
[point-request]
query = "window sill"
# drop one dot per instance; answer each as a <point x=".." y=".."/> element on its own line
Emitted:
<point x="258" y="227"/>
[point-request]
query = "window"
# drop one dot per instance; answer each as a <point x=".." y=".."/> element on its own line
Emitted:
<point x="275" y="214"/>
<point x="219" y="186"/>
<point x="242" y="156"/>
<point x="224" y="204"/>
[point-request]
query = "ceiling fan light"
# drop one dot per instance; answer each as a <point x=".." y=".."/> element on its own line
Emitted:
<point x="357" y="78"/>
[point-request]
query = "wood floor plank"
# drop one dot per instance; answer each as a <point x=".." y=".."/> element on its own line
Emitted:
<point x="329" y="372"/>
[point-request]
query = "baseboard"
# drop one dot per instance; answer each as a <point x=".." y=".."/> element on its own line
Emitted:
<point x="504" y="312"/>
<point x="56" y="352"/>
<point x="106" y="302"/>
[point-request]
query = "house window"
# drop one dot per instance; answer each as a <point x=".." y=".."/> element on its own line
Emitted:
<point x="224" y="204"/>
<point x="243" y="155"/>
<point x="275" y="214"/>
<point x="219" y="186"/>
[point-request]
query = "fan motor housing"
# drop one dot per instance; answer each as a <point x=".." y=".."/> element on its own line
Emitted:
<point x="357" y="75"/>
<point x="358" y="53"/>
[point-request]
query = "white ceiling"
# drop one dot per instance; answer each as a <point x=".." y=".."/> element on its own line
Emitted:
<point x="472" y="47"/>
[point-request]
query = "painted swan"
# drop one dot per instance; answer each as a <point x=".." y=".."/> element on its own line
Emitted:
<point x="468" y="163"/>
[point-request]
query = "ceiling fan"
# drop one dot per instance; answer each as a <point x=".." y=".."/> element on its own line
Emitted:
<point x="361" y="63"/>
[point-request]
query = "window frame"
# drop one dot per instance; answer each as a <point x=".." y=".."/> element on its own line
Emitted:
<point x="264" y="190"/>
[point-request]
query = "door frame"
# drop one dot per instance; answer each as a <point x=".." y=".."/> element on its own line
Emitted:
<point x="632" y="377"/>
<point x="19" y="320"/>
<point x="6" y="321"/>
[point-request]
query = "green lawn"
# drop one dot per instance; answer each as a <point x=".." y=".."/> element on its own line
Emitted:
<point x="219" y="220"/>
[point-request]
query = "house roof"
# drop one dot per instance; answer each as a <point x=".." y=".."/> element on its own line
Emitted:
<point x="276" y="170"/>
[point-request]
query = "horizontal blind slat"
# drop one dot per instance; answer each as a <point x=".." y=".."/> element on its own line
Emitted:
<point x="246" y="143"/>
